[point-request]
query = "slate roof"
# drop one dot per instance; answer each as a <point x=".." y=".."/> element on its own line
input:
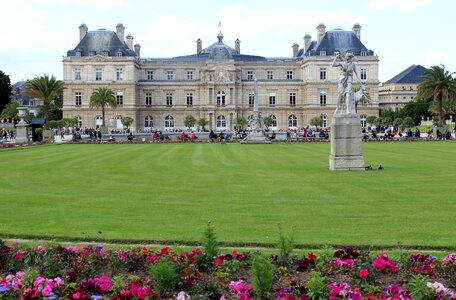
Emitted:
<point x="411" y="75"/>
<point x="337" y="40"/>
<point x="101" y="40"/>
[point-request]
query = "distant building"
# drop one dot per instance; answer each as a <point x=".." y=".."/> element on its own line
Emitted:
<point x="215" y="83"/>
<point x="18" y="95"/>
<point x="401" y="89"/>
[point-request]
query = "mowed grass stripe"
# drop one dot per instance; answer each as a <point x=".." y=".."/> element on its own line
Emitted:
<point x="169" y="192"/>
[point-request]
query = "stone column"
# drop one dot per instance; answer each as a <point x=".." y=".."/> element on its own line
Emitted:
<point x="21" y="127"/>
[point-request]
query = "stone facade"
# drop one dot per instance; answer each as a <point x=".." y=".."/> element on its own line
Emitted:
<point x="215" y="83"/>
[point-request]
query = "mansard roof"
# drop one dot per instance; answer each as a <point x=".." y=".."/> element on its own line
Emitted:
<point x="98" y="42"/>
<point x="411" y="75"/>
<point x="337" y="40"/>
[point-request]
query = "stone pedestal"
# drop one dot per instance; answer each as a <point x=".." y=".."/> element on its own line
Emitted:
<point x="346" y="143"/>
<point x="21" y="127"/>
<point x="256" y="137"/>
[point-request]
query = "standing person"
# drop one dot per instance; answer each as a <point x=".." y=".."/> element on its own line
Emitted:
<point x="345" y="84"/>
<point x="99" y="133"/>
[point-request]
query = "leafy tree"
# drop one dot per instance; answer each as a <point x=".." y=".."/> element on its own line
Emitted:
<point x="370" y="119"/>
<point x="10" y="111"/>
<point x="408" y="122"/>
<point x="240" y="121"/>
<point x="388" y="113"/>
<point x="397" y="122"/>
<point x="440" y="86"/>
<point x="46" y="88"/>
<point x="315" y="121"/>
<point x="55" y="108"/>
<point x="5" y="90"/>
<point x="127" y="121"/>
<point x="387" y="121"/>
<point x="202" y="122"/>
<point x="54" y="124"/>
<point x="416" y="109"/>
<point x="267" y="121"/>
<point x="101" y="98"/>
<point x="378" y="121"/>
<point x="189" y="121"/>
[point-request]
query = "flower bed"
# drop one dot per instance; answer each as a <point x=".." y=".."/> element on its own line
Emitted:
<point x="97" y="272"/>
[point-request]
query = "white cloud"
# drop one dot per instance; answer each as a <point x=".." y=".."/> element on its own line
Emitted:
<point x="401" y="5"/>
<point x="433" y="59"/>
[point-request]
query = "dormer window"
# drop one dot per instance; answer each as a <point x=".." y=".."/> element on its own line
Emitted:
<point x="363" y="53"/>
<point x="105" y="53"/>
<point x="322" y="53"/>
<point x="119" y="53"/>
<point x="92" y="53"/>
<point x="78" y="53"/>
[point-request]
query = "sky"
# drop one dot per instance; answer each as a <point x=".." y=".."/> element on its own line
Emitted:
<point x="36" y="34"/>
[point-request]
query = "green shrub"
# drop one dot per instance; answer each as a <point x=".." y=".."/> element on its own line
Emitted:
<point x="286" y="246"/>
<point x="210" y="244"/>
<point x="316" y="287"/>
<point x="262" y="276"/>
<point x="419" y="290"/>
<point x="164" y="276"/>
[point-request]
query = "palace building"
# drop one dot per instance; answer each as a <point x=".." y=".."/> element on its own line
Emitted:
<point x="215" y="82"/>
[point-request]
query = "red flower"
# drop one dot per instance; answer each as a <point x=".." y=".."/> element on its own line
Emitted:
<point x="363" y="273"/>
<point x="311" y="256"/>
<point x="218" y="261"/>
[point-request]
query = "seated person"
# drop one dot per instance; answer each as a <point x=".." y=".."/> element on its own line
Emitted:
<point x="130" y="137"/>
<point x="111" y="139"/>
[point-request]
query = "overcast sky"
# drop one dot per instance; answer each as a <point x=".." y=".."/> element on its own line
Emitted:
<point x="36" y="34"/>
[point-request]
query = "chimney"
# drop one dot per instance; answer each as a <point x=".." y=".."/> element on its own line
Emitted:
<point x="130" y="41"/>
<point x="199" y="46"/>
<point x="138" y="50"/>
<point x="295" y="49"/>
<point x="82" y="31"/>
<point x="237" y="46"/>
<point x="357" y="30"/>
<point x="307" y="41"/>
<point x="120" y="29"/>
<point x="320" y="32"/>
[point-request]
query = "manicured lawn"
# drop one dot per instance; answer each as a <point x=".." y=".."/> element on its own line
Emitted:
<point x="168" y="192"/>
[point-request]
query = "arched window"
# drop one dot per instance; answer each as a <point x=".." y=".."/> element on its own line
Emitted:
<point x="169" y="123"/>
<point x="324" y="122"/>
<point x="363" y="121"/>
<point x="148" y="122"/>
<point x="292" y="121"/>
<point x="119" y="122"/>
<point x="221" y="122"/>
<point x="274" y="121"/>
<point x="79" y="123"/>
<point x="99" y="120"/>
<point x="220" y="98"/>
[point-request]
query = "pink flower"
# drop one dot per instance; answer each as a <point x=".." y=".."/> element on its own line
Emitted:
<point x="19" y="254"/>
<point x="46" y="291"/>
<point x="363" y="273"/>
<point x="218" y="261"/>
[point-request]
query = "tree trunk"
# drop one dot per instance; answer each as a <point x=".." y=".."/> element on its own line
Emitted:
<point x="103" y="115"/>
<point x="441" y="116"/>
<point x="46" y="115"/>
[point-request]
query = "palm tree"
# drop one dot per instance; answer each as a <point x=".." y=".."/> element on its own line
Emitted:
<point x="440" y="86"/>
<point x="46" y="88"/>
<point x="202" y="122"/>
<point x="102" y="97"/>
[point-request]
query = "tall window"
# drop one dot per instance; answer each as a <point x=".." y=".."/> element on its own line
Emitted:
<point x="119" y="53"/>
<point x="170" y="75"/>
<point x="169" y="122"/>
<point x="274" y="121"/>
<point x="119" y="123"/>
<point x="78" y="98"/>
<point x="79" y="121"/>
<point x="169" y="99"/>
<point x="322" y="73"/>
<point x="292" y="97"/>
<point x="189" y="99"/>
<point x="148" y="99"/>
<point x="272" y="99"/>
<point x="189" y="75"/>
<point x="363" y="53"/>
<point x="289" y="75"/>
<point x="249" y="75"/>
<point x="251" y="99"/>
<point x="150" y="75"/>
<point x="269" y="75"/>
<point x="322" y="53"/>
<point x="292" y="121"/>
<point x="221" y="122"/>
<point x="148" y="122"/>
<point x="220" y="98"/>
<point x="119" y="74"/>
<point x="324" y="122"/>
<point x="322" y="98"/>
<point x="363" y="74"/>
<point x="363" y="120"/>
<point x="98" y="120"/>
<point x="98" y="74"/>
<point x="119" y="98"/>
<point x="77" y="74"/>
<point x="105" y="53"/>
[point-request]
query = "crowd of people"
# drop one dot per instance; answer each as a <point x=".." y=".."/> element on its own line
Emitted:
<point x="6" y="135"/>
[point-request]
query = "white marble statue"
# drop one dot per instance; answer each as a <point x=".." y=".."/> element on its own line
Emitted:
<point x="345" y="94"/>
